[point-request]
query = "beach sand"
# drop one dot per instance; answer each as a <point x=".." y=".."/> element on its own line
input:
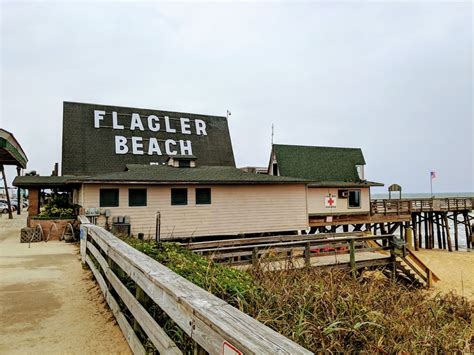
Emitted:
<point x="455" y="269"/>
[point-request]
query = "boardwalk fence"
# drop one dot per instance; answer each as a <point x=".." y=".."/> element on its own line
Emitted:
<point x="394" y="206"/>
<point x="215" y="326"/>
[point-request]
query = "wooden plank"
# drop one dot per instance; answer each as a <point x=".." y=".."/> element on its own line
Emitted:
<point x="157" y="335"/>
<point x="415" y="259"/>
<point x="260" y="240"/>
<point x="132" y="340"/>
<point x="199" y="313"/>
<point x="314" y="243"/>
<point x="83" y="219"/>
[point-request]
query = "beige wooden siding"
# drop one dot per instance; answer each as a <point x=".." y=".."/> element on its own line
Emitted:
<point x="316" y="201"/>
<point x="234" y="209"/>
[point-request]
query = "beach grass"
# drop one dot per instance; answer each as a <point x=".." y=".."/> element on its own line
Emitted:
<point x="327" y="309"/>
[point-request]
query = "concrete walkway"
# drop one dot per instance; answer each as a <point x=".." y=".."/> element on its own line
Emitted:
<point x="49" y="304"/>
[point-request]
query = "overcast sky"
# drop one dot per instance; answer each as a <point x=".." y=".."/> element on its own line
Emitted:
<point x="394" y="78"/>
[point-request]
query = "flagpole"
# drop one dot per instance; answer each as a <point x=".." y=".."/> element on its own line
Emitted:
<point x="431" y="184"/>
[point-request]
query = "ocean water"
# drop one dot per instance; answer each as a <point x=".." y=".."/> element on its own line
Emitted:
<point x="461" y="230"/>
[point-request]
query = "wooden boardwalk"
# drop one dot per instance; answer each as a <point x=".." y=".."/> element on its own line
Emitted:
<point x="444" y="223"/>
<point x="49" y="303"/>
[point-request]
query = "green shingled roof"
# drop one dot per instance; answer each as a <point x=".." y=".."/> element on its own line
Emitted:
<point x="11" y="152"/>
<point x="161" y="174"/>
<point x="44" y="182"/>
<point x="319" y="164"/>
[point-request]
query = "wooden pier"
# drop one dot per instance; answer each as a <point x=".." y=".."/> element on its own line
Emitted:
<point x="428" y="218"/>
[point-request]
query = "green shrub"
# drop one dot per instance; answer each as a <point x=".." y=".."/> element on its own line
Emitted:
<point x="58" y="205"/>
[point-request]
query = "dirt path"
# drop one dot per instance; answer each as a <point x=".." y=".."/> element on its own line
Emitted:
<point x="48" y="302"/>
<point x="455" y="269"/>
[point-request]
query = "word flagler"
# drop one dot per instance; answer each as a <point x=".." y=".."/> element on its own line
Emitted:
<point x="135" y="144"/>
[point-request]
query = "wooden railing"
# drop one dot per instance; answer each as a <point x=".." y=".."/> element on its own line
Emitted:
<point x="420" y="268"/>
<point x="214" y="325"/>
<point x="407" y="206"/>
<point x="252" y="250"/>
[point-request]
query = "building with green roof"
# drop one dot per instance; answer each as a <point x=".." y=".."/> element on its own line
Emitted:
<point x="127" y="164"/>
<point x="337" y="187"/>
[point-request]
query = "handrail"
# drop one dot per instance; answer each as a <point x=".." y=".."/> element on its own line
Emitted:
<point x="313" y="242"/>
<point x="407" y="206"/>
<point x="421" y="264"/>
<point x="255" y="240"/>
<point x="211" y="322"/>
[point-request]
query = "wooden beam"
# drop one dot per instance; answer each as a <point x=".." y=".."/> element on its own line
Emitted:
<point x="448" y="233"/>
<point x="456" y="232"/>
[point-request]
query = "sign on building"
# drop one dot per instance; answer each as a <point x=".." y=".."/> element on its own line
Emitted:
<point x="99" y="138"/>
<point x="330" y="201"/>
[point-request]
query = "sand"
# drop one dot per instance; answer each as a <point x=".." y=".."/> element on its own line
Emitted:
<point x="49" y="304"/>
<point x="455" y="269"/>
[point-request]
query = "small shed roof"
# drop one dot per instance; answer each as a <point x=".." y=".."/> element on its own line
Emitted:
<point x="11" y="152"/>
<point x="318" y="163"/>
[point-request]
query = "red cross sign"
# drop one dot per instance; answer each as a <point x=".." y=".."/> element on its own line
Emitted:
<point x="330" y="201"/>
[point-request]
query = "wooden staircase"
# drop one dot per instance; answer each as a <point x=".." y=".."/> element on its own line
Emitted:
<point x="410" y="269"/>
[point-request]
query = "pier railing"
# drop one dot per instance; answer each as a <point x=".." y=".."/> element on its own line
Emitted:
<point x="408" y="206"/>
<point x="214" y="326"/>
<point x="303" y="247"/>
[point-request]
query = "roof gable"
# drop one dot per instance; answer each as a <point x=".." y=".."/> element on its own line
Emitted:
<point x="318" y="163"/>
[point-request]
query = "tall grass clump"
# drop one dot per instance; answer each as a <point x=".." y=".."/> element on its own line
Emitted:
<point x="331" y="311"/>
<point x="328" y="310"/>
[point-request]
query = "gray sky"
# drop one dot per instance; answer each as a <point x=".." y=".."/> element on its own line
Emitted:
<point x="394" y="78"/>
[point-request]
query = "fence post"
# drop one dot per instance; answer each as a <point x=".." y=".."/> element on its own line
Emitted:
<point x="429" y="277"/>
<point x="254" y="257"/>
<point x="307" y="255"/>
<point x="83" y="243"/>
<point x="409" y="239"/>
<point x="352" y="257"/>
<point x="393" y="256"/>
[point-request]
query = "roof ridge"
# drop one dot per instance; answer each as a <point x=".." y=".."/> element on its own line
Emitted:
<point x="313" y="146"/>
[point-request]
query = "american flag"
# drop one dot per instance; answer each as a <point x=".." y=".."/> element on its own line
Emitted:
<point x="433" y="174"/>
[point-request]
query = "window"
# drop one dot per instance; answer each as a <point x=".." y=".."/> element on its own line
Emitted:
<point x="354" y="199"/>
<point x="203" y="196"/>
<point x="185" y="163"/>
<point x="179" y="196"/>
<point x="109" y="197"/>
<point x="136" y="197"/>
<point x="275" y="169"/>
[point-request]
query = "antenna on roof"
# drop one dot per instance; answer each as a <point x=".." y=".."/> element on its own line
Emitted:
<point x="228" y="114"/>
<point x="272" y="133"/>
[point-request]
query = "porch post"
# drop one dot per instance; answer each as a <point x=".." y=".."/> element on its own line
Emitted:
<point x="33" y="203"/>
<point x="10" y="215"/>
<point x="18" y="194"/>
